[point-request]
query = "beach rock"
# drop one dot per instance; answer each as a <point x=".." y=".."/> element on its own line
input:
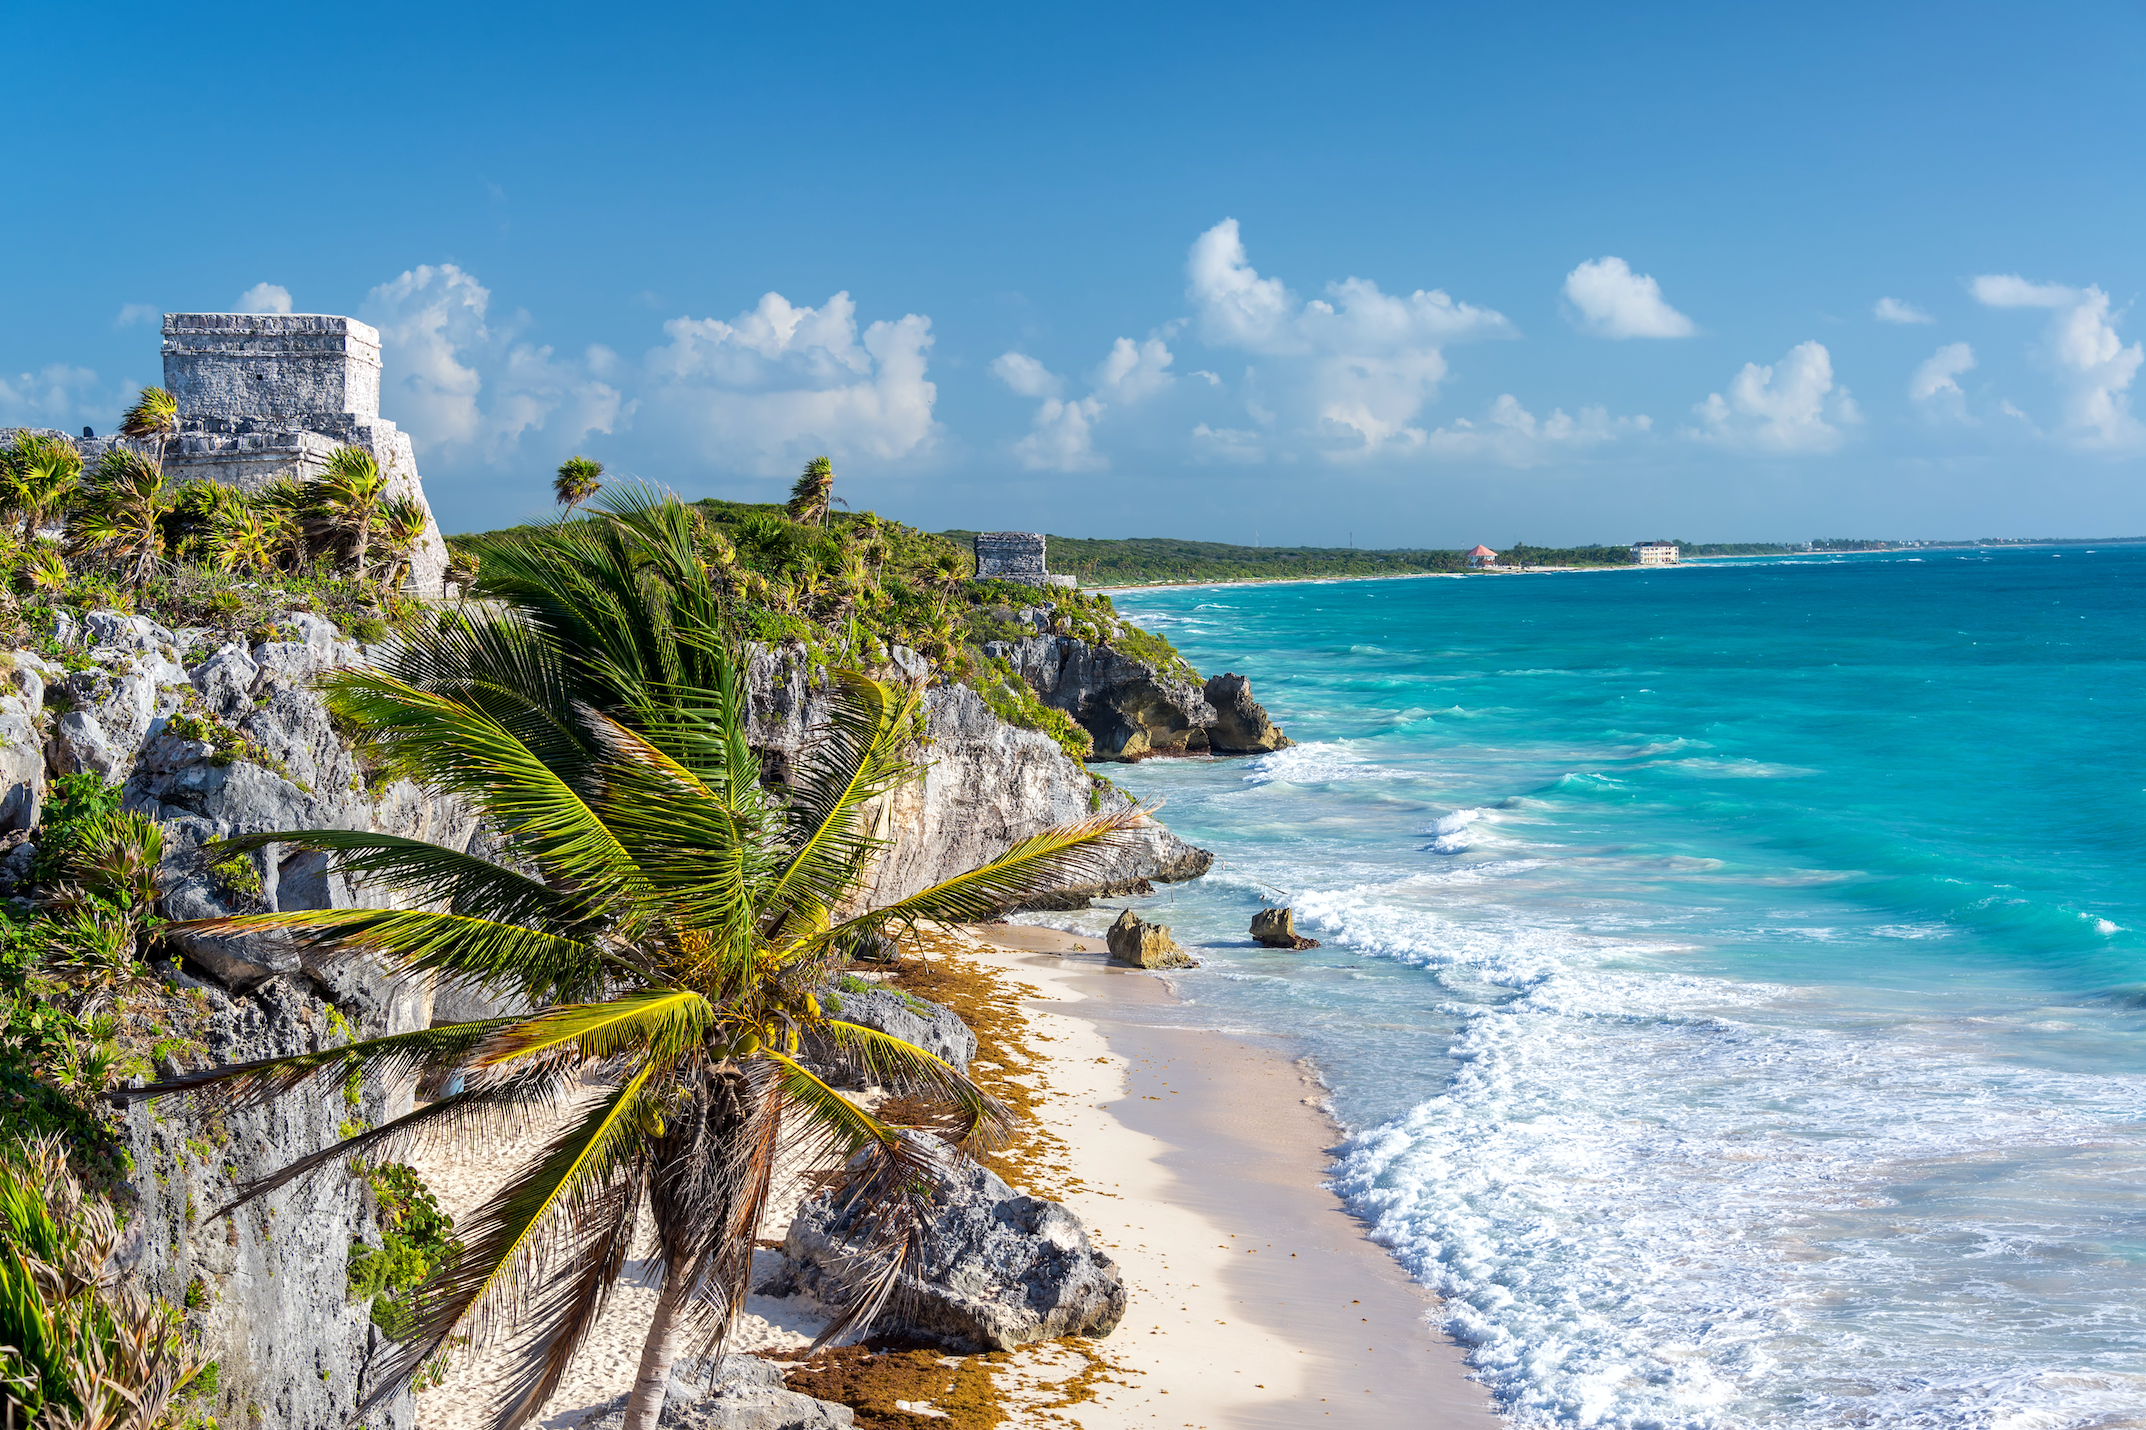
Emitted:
<point x="1241" y="724"/>
<point x="937" y="1030"/>
<point x="1145" y="945"/>
<point x="1277" y="928"/>
<point x="748" y="1394"/>
<point x="1000" y="1268"/>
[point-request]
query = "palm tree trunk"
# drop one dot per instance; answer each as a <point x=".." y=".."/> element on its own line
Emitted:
<point x="665" y="1335"/>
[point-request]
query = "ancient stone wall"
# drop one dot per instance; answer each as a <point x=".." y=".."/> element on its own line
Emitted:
<point x="1011" y="556"/>
<point x="291" y="366"/>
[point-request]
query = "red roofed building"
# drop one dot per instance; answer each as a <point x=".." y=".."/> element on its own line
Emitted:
<point x="1482" y="556"/>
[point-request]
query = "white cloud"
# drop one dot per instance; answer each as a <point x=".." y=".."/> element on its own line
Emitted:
<point x="1351" y="371"/>
<point x="1615" y="302"/>
<point x="1892" y="310"/>
<point x="2092" y="365"/>
<point x="1793" y="407"/>
<point x="1064" y="438"/>
<point x="56" y="395"/>
<point x="132" y="313"/>
<point x="1135" y="370"/>
<point x="1026" y="376"/>
<point x="264" y="298"/>
<point x="438" y="348"/>
<point x="2009" y="290"/>
<point x="781" y="383"/>
<point x="1934" y="384"/>
<point x="1516" y="437"/>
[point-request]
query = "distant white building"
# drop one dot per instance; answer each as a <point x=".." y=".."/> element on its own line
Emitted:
<point x="1482" y="556"/>
<point x="1655" y="553"/>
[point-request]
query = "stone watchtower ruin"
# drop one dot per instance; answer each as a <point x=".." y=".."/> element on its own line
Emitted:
<point x="229" y="367"/>
<point x="268" y="396"/>
<point x="1015" y="556"/>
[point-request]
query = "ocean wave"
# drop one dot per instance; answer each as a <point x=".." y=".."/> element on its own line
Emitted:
<point x="1621" y="1249"/>
<point x="1319" y="762"/>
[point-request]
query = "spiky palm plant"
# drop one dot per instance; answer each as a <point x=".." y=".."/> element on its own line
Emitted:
<point x="347" y="498"/>
<point x="403" y="520"/>
<point x="577" y="481"/>
<point x="813" y="492"/>
<point x="45" y="569"/>
<point x="672" y="920"/>
<point x="285" y="508"/>
<point x="155" y="414"/>
<point x="122" y="512"/>
<point x="248" y="540"/>
<point x="40" y="473"/>
<point x="78" y="1347"/>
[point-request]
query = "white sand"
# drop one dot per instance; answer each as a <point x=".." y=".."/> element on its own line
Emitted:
<point x="1194" y="1160"/>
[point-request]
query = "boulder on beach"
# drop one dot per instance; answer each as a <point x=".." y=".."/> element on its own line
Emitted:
<point x="1277" y="928"/>
<point x="999" y="1269"/>
<point x="1145" y="945"/>
<point x="748" y="1394"/>
<point x="937" y="1030"/>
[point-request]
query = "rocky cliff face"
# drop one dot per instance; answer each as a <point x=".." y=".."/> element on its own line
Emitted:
<point x="985" y="785"/>
<point x="1133" y="709"/>
<point x="215" y="739"/>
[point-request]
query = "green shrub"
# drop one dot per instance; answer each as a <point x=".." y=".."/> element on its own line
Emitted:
<point x="76" y="807"/>
<point x="236" y="876"/>
<point x="417" y="1239"/>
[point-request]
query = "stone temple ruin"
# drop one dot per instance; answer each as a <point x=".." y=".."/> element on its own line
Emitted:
<point x="264" y="396"/>
<point x="1015" y="556"/>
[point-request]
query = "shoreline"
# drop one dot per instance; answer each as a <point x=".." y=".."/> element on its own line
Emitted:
<point x="1194" y="1159"/>
<point x="1256" y="1299"/>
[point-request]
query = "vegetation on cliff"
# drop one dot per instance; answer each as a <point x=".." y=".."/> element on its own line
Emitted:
<point x="670" y="917"/>
<point x="839" y="588"/>
<point x="120" y="536"/>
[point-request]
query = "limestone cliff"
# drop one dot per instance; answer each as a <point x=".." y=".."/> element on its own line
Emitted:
<point x="1134" y="708"/>
<point x="215" y="738"/>
<point x="986" y="784"/>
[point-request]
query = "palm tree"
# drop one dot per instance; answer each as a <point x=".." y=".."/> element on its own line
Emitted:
<point x="248" y="538"/>
<point x="122" y="513"/>
<point x="347" y="497"/>
<point x="669" y="916"/>
<point x="813" y="492"/>
<point x="948" y="572"/>
<point x="154" y="414"/>
<point x="406" y="520"/>
<point x="284" y="506"/>
<point x="577" y="481"/>
<point x="40" y="473"/>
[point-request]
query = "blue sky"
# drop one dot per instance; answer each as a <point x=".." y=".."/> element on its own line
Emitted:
<point x="1411" y="275"/>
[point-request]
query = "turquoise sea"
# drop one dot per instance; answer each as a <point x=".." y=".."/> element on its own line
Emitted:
<point x="1734" y="981"/>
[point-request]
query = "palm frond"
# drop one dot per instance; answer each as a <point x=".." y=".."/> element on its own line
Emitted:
<point x="460" y="749"/>
<point x="249" y="1084"/>
<point x="482" y="1110"/>
<point x="540" y="1212"/>
<point x="1065" y="854"/>
<point x="856" y="759"/>
<point x="468" y="885"/>
<point x="561" y="1314"/>
<point x="471" y="952"/>
<point x="903" y="1067"/>
<point x="660" y="1024"/>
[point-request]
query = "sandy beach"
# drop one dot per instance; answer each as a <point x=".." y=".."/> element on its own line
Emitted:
<point x="1194" y="1158"/>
